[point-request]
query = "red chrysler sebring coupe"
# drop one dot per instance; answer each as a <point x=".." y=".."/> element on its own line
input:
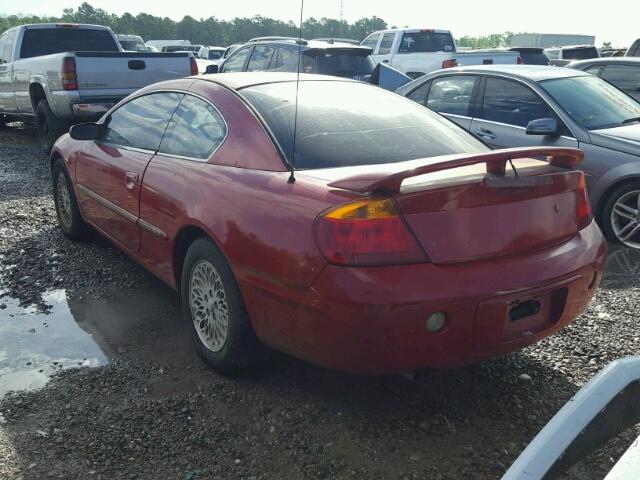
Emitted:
<point x="352" y="228"/>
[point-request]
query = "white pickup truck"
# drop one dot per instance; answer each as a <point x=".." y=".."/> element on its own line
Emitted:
<point x="417" y="52"/>
<point x="60" y="74"/>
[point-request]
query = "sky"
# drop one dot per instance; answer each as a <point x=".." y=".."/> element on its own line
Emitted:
<point x="618" y="25"/>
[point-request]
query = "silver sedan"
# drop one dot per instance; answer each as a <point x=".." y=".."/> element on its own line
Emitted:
<point x="528" y="105"/>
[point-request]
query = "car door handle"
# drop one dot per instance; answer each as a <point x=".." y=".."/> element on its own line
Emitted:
<point x="484" y="133"/>
<point x="385" y="61"/>
<point x="131" y="180"/>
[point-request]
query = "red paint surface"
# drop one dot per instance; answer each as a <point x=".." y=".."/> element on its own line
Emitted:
<point x="359" y="319"/>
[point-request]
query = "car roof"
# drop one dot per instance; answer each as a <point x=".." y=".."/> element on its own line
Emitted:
<point x="240" y="80"/>
<point x="570" y="46"/>
<point x="33" y="26"/>
<point x="596" y="61"/>
<point x="534" y="73"/>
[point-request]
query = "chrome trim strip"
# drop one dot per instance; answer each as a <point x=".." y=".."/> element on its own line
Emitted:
<point x="107" y="204"/>
<point x="152" y="229"/>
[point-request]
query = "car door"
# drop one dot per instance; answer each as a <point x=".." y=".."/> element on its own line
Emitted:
<point x="7" y="95"/>
<point x="109" y="171"/>
<point x="384" y="52"/>
<point x="625" y="77"/>
<point x="505" y="108"/>
<point x="453" y="96"/>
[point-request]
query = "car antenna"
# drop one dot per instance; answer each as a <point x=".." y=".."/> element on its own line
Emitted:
<point x="292" y="177"/>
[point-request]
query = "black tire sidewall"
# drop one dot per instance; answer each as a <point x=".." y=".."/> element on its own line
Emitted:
<point x="241" y="347"/>
<point x="55" y="126"/>
<point x="605" y="220"/>
<point x="78" y="227"/>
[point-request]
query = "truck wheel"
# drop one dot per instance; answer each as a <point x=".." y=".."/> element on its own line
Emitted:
<point x="69" y="218"/>
<point x="621" y="215"/>
<point x="49" y="127"/>
<point x="214" y="311"/>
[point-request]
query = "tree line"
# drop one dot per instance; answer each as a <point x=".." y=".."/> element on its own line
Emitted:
<point x="207" y="31"/>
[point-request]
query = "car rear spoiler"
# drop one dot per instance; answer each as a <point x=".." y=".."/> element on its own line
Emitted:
<point x="496" y="161"/>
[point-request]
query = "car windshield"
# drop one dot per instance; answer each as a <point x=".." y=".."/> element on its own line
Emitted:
<point x="340" y="63"/>
<point x="591" y="102"/>
<point x="421" y="42"/>
<point x="347" y="123"/>
<point x="46" y="41"/>
<point x="133" y="46"/>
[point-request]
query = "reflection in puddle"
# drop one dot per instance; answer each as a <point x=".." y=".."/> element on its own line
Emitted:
<point x="34" y="345"/>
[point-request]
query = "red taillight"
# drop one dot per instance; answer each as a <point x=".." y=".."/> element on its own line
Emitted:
<point x="450" y="63"/>
<point x="69" y="78"/>
<point x="366" y="232"/>
<point x="584" y="206"/>
<point x="519" y="61"/>
<point x="194" y="66"/>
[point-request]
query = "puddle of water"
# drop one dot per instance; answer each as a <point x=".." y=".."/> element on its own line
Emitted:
<point x="33" y="345"/>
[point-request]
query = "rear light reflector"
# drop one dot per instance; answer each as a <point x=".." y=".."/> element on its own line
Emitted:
<point x="366" y="232"/>
<point x="584" y="206"/>
<point x="69" y="78"/>
<point x="194" y="66"/>
<point x="450" y="63"/>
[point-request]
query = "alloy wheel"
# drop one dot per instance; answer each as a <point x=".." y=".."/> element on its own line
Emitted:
<point x="209" y="305"/>
<point x="625" y="219"/>
<point x="63" y="198"/>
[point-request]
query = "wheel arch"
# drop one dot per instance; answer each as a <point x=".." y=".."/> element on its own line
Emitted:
<point x="184" y="238"/>
<point x="602" y="200"/>
<point x="36" y="93"/>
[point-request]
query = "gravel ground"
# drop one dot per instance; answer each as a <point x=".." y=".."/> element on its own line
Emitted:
<point x="155" y="412"/>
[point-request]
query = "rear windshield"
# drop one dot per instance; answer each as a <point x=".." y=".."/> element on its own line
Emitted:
<point x="579" y="53"/>
<point x="534" y="58"/>
<point x="133" y="45"/>
<point x="215" y="54"/>
<point x="340" y="63"/>
<point x="45" y="41"/>
<point x="344" y="124"/>
<point x="419" y="42"/>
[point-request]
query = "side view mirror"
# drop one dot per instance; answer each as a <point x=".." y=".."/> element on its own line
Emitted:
<point x="86" y="131"/>
<point x="212" y="69"/>
<point x="543" y="126"/>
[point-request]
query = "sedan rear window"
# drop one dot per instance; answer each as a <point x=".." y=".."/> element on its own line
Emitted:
<point x="340" y="63"/>
<point x="579" y="53"/>
<point x="46" y="41"/>
<point x="346" y="124"/>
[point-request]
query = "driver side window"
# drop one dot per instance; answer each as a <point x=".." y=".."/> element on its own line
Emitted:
<point x="141" y="122"/>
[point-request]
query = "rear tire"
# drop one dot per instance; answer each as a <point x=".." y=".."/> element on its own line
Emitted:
<point x="49" y="127"/>
<point x="621" y="215"/>
<point x="214" y="311"/>
<point x="69" y="218"/>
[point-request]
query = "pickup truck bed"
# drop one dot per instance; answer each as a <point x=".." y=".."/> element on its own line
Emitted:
<point x="60" y="74"/>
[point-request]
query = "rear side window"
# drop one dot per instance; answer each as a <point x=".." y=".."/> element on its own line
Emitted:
<point x="45" y="41"/>
<point x="195" y="130"/>
<point x="387" y="42"/>
<point x="512" y="103"/>
<point x="339" y="124"/>
<point x="420" y="42"/>
<point x="141" y="122"/>
<point x="6" y="53"/>
<point x="236" y="62"/>
<point x="625" y="77"/>
<point x="452" y="94"/>
<point x="371" y="41"/>
<point x="260" y="58"/>
<point x="287" y="61"/>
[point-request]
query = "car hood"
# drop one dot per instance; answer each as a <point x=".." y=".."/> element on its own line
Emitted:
<point x="625" y="139"/>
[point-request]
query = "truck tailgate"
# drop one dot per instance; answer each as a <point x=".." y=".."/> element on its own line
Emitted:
<point x="128" y="70"/>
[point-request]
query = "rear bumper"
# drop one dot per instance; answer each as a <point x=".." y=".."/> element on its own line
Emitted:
<point x="373" y="320"/>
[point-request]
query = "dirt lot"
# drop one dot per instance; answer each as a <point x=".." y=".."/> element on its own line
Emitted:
<point x="107" y="385"/>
